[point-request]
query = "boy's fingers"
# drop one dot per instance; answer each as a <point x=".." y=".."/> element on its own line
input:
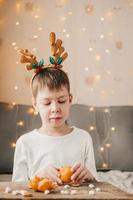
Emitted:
<point x="77" y="172"/>
<point x="75" y="167"/>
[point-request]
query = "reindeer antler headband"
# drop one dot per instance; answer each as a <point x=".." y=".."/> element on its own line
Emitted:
<point x="57" y="52"/>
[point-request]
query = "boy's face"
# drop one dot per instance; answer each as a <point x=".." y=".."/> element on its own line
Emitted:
<point x="53" y="106"/>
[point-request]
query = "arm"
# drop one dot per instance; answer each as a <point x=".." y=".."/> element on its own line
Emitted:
<point x="20" y="169"/>
<point x="86" y="172"/>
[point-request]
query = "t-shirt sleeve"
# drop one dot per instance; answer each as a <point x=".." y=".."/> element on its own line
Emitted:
<point x="89" y="157"/>
<point x="20" y="169"/>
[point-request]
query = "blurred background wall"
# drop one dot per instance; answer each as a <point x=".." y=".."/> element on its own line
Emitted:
<point x="97" y="34"/>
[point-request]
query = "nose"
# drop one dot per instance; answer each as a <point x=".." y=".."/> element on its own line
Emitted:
<point x="55" y="107"/>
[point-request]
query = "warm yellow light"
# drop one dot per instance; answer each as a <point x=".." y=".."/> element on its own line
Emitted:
<point x="110" y="33"/>
<point x="92" y="128"/>
<point x="30" y="111"/>
<point x="35" y="36"/>
<point x="64" y="30"/>
<point x="20" y="123"/>
<point x="35" y="112"/>
<point x="86" y="68"/>
<point x="108" y="72"/>
<point x="91" y="109"/>
<point x="40" y="28"/>
<point x="17" y="23"/>
<point x="98" y="57"/>
<point x="13" y="43"/>
<point x="67" y="35"/>
<point x="108" y="145"/>
<point x="101" y="36"/>
<point x="104" y="165"/>
<point x="13" y="144"/>
<point x="98" y="77"/>
<point x="107" y="51"/>
<point x="102" y="18"/>
<point x="15" y="87"/>
<point x="70" y="13"/>
<point x="106" y="110"/>
<point x="113" y="128"/>
<point x="83" y="29"/>
<point x="13" y="103"/>
<point x="103" y="92"/>
<point x="34" y="49"/>
<point x="36" y="16"/>
<point x="102" y="149"/>
<point x="90" y="49"/>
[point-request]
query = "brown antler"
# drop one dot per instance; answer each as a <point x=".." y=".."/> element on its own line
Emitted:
<point x="56" y="49"/>
<point x="27" y="57"/>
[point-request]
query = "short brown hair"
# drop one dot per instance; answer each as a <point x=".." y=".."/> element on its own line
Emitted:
<point x="51" y="77"/>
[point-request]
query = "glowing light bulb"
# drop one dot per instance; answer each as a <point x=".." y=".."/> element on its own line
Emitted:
<point x="102" y="36"/>
<point x="91" y="109"/>
<point x="86" y="68"/>
<point x="98" y="57"/>
<point x="64" y="30"/>
<point x="113" y="128"/>
<point x="13" y="43"/>
<point x="106" y="110"/>
<point x="30" y="111"/>
<point x="98" y="77"/>
<point x="83" y="29"/>
<point x="35" y="112"/>
<point x="108" y="145"/>
<point x="35" y="36"/>
<point x="63" y="18"/>
<point x="13" y="103"/>
<point x="40" y="28"/>
<point x="15" y="87"/>
<point x="102" y="149"/>
<point x="67" y="35"/>
<point x="92" y="128"/>
<point x="20" y="123"/>
<point x="17" y="23"/>
<point x="70" y="13"/>
<point x="107" y="51"/>
<point x="36" y="16"/>
<point x="17" y="62"/>
<point x="34" y="49"/>
<point x="104" y="165"/>
<point x="90" y="49"/>
<point x="13" y="144"/>
<point x="102" y="19"/>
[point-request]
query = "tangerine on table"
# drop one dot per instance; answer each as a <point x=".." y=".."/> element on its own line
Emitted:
<point x="65" y="174"/>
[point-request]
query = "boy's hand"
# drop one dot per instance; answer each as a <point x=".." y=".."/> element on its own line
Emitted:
<point x="52" y="173"/>
<point x="81" y="174"/>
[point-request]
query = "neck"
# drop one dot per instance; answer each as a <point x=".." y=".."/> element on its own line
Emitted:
<point x="55" y="131"/>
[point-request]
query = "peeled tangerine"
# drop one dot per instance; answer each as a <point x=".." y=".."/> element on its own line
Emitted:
<point x="65" y="174"/>
<point x="41" y="184"/>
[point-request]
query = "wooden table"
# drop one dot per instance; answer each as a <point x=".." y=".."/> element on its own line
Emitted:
<point x="108" y="192"/>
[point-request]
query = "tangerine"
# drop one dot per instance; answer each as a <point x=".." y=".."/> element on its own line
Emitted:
<point x="65" y="174"/>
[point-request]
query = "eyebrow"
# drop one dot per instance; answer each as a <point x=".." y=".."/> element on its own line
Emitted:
<point x="58" y="97"/>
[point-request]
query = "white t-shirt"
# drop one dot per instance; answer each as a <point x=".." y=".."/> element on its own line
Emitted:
<point x="34" y="151"/>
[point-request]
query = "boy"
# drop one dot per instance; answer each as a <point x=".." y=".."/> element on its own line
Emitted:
<point x="42" y="152"/>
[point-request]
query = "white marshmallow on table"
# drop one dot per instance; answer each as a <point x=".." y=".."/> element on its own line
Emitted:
<point x="16" y="192"/>
<point x="92" y="192"/>
<point x="73" y="192"/>
<point x="64" y="192"/>
<point x="98" y="189"/>
<point x="46" y="192"/>
<point x="8" y="190"/>
<point x="66" y="186"/>
<point x="91" y="185"/>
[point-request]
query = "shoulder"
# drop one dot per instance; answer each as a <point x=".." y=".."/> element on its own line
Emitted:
<point x="26" y="136"/>
<point x="82" y="133"/>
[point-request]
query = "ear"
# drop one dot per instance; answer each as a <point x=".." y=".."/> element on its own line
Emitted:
<point x="70" y="98"/>
<point x="34" y="103"/>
